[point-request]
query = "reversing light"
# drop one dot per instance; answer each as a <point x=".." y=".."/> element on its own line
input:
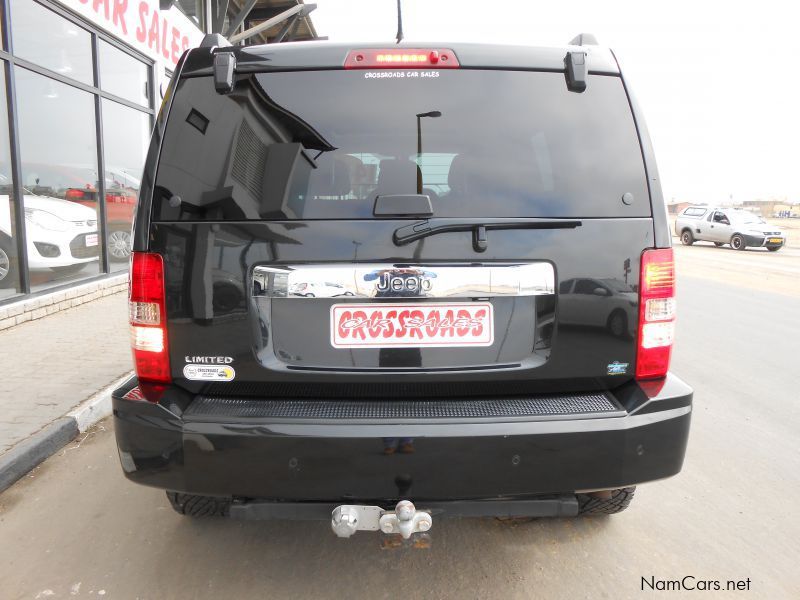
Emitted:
<point x="147" y="317"/>
<point x="656" y="313"/>
<point x="401" y="58"/>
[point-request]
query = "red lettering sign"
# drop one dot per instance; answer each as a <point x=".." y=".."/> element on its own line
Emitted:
<point x="417" y="325"/>
<point x="165" y="34"/>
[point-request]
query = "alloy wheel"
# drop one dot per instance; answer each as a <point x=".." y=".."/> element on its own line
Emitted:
<point x="119" y="244"/>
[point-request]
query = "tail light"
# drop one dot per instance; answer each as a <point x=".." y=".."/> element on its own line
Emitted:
<point x="147" y="314"/>
<point x="401" y="58"/>
<point x="656" y="313"/>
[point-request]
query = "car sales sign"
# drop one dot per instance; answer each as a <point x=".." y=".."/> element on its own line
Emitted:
<point x="163" y="35"/>
<point x="410" y="325"/>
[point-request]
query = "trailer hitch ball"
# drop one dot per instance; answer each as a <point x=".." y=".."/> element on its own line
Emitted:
<point x="405" y="520"/>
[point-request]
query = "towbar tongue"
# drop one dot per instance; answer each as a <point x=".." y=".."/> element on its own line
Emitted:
<point x="405" y="519"/>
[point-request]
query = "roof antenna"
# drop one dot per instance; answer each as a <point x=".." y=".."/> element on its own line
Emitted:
<point x="399" y="23"/>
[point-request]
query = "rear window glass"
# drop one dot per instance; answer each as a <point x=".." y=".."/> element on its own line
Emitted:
<point x="324" y="144"/>
<point x="694" y="212"/>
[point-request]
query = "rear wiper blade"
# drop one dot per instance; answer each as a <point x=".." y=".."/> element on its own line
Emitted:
<point x="411" y="233"/>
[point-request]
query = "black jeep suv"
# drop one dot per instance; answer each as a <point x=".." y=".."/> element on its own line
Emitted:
<point x="460" y="212"/>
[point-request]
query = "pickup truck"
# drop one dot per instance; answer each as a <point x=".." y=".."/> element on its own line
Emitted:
<point x="739" y="228"/>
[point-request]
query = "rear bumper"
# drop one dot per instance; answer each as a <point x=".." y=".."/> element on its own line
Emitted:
<point x="345" y="459"/>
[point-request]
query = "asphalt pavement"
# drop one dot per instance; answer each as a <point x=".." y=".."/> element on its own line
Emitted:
<point x="76" y="528"/>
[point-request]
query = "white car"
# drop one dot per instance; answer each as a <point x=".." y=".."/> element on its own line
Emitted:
<point x="61" y="236"/>
<point x="319" y="289"/>
<point x="739" y="228"/>
<point x="616" y="312"/>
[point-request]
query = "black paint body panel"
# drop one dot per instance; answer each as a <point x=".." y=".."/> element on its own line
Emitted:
<point x="211" y="312"/>
<point x="207" y="262"/>
<point x="341" y="460"/>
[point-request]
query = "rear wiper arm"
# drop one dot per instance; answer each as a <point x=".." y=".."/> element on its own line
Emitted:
<point x="416" y="231"/>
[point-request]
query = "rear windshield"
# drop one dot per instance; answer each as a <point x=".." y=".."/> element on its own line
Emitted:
<point x="325" y="144"/>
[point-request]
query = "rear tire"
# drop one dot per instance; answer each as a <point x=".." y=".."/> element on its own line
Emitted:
<point x="619" y="501"/>
<point x="199" y="506"/>
<point x="737" y="242"/>
<point x="8" y="264"/>
<point x="687" y="239"/>
<point x="617" y="324"/>
<point x="226" y="298"/>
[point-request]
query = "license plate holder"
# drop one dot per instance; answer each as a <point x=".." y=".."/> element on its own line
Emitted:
<point x="412" y="325"/>
<point x="91" y="240"/>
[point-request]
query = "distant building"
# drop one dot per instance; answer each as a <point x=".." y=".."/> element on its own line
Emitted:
<point x="770" y="208"/>
<point x="677" y="207"/>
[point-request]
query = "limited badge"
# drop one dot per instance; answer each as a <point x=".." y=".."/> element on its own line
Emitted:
<point x="208" y="373"/>
<point x="617" y="368"/>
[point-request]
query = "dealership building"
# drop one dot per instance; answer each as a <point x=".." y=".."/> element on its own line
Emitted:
<point x="82" y="82"/>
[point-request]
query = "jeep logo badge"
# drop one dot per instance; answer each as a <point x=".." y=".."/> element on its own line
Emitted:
<point x="403" y="280"/>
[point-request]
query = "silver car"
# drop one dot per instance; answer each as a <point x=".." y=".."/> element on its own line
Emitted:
<point x="739" y="228"/>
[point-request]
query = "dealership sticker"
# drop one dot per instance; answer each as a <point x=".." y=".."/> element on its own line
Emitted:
<point x="208" y="373"/>
<point x="379" y="325"/>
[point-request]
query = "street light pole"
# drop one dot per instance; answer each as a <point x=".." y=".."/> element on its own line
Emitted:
<point x="433" y="114"/>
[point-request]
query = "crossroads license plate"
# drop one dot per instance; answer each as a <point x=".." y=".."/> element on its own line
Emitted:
<point x="775" y="241"/>
<point x="459" y="324"/>
<point x="91" y="240"/>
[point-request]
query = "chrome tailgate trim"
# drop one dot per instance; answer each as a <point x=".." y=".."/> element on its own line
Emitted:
<point x="377" y="280"/>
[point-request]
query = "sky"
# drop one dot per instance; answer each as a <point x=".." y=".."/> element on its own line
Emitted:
<point x="717" y="81"/>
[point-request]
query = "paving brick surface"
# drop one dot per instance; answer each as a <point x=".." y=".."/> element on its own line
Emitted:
<point x="53" y="364"/>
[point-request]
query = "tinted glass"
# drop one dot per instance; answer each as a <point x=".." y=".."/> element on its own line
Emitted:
<point x="47" y="39"/>
<point x="324" y="144"/>
<point x="126" y="132"/>
<point x="9" y="271"/>
<point x="192" y="9"/>
<point x="123" y="75"/>
<point x="694" y="212"/>
<point x="59" y="170"/>
<point x="585" y="286"/>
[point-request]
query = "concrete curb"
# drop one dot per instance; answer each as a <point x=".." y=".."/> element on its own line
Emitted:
<point x="27" y="454"/>
<point x="23" y="457"/>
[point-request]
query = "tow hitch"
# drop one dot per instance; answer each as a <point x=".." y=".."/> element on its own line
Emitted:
<point x="405" y="519"/>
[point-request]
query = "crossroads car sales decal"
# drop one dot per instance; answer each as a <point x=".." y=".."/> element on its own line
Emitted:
<point x="412" y="325"/>
<point x="208" y="373"/>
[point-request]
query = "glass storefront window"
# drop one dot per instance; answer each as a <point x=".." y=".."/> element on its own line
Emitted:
<point x="47" y="39"/>
<point x="192" y="9"/>
<point x="126" y="134"/>
<point x="9" y="271"/>
<point x="58" y="147"/>
<point x="123" y="75"/>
